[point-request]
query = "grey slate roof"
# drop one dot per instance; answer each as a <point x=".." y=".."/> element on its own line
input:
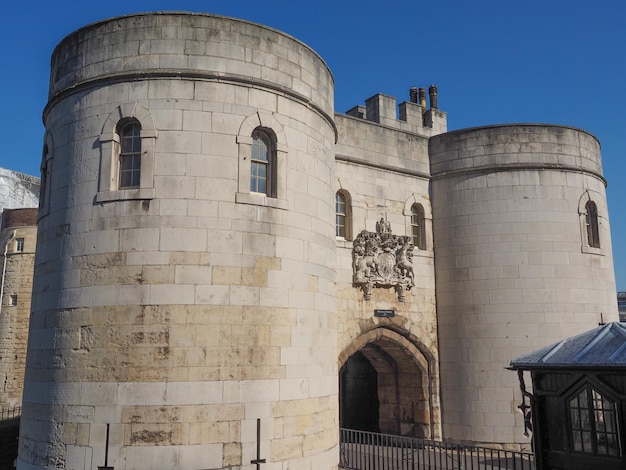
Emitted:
<point x="604" y="346"/>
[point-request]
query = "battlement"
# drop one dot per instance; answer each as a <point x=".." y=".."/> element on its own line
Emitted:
<point x="412" y="116"/>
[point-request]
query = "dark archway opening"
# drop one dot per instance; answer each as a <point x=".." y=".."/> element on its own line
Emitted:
<point x="358" y="388"/>
<point x="382" y="389"/>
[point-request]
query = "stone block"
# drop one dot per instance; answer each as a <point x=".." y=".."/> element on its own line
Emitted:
<point x="244" y="295"/>
<point x="197" y="208"/>
<point x="192" y="275"/>
<point x="172" y="207"/>
<point x="194" y="393"/>
<point x="102" y="242"/>
<point x="183" y="240"/>
<point x="259" y="244"/>
<point x="196" y="121"/>
<point x="287" y="448"/>
<point x="141" y="393"/>
<point x="274" y="297"/>
<point x="232" y="454"/>
<point x="161" y="274"/>
<point x="253" y="277"/>
<point x="175" y="187"/>
<point x="209" y="432"/>
<point x="80" y="456"/>
<point x="139" y="239"/>
<point x="97" y="393"/>
<point x="294" y="389"/>
<point x="258" y="391"/>
<point x="225" y="275"/>
<point x="212" y="294"/>
<point x="148" y="258"/>
<point x="220" y="145"/>
<point x="225" y="241"/>
<point x="206" y="456"/>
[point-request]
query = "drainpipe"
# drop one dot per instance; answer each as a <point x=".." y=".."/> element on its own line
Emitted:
<point x="4" y="267"/>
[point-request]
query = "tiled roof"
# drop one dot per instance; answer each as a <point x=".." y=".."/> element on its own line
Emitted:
<point x="604" y="346"/>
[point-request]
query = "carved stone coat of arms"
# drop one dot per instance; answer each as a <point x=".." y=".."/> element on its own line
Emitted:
<point x="382" y="259"/>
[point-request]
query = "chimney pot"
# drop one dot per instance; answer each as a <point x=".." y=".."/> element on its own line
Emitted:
<point x="432" y="91"/>
<point x="422" y="95"/>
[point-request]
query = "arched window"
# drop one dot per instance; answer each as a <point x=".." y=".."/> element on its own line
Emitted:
<point x="129" y="132"/>
<point x="418" y="229"/>
<point x="127" y="147"/>
<point x="591" y="221"/>
<point x="593" y="423"/>
<point x="263" y="163"/>
<point x="341" y="215"/>
<point x="262" y="146"/>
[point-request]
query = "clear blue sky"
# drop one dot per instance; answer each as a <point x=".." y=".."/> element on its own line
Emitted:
<point x="498" y="61"/>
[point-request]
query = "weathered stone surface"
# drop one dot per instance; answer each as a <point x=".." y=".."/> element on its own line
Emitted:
<point x="169" y="291"/>
<point x="183" y="310"/>
<point x="18" y="239"/>
<point x="508" y="218"/>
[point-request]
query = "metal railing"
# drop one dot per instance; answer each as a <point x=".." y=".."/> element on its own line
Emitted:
<point x="7" y="413"/>
<point x="361" y="450"/>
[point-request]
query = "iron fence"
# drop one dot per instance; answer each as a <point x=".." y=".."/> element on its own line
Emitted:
<point x="7" y="413"/>
<point x="361" y="450"/>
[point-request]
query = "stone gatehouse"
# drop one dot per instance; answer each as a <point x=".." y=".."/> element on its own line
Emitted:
<point x="228" y="270"/>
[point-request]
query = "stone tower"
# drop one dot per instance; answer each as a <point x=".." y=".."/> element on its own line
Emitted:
<point x="184" y="304"/>
<point x="523" y="259"/>
<point x="17" y="241"/>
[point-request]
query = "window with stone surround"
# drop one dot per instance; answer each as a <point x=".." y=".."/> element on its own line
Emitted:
<point x="343" y="215"/>
<point x="418" y="229"/>
<point x="129" y="169"/>
<point x="127" y="146"/>
<point x="419" y="223"/>
<point x="13" y="300"/>
<point x="262" y="161"/>
<point x="590" y="220"/>
<point x="19" y="245"/>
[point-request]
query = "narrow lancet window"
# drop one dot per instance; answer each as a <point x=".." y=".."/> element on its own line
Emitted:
<point x="593" y="235"/>
<point x="418" y="231"/>
<point x="340" y="215"/>
<point x="262" y="169"/>
<point x="130" y="155"/>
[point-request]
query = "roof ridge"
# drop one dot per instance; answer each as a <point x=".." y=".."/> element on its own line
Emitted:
<point x="600" y="335"/>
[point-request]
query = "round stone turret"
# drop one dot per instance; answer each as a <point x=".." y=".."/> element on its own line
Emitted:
<point x="184" y="282"/>
<point x="522" y="260"/>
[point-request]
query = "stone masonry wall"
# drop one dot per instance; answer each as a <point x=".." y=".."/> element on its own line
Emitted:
<point x="184" y="311"/>
<point x="513" y="267"/>
<point x="17" y="278"/>
<point x="385" y="171"/>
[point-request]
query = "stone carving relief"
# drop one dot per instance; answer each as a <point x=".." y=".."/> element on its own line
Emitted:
<point x="382" y="259"/>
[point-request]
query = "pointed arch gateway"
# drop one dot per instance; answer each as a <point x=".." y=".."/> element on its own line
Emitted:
<point x="387" y="384"/>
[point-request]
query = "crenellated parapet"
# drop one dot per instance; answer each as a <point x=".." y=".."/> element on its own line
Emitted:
<point x="410" y="116"/>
